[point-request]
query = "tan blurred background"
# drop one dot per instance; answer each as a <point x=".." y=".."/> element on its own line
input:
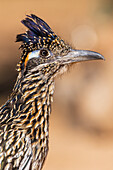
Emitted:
<point x="81" y="123"/>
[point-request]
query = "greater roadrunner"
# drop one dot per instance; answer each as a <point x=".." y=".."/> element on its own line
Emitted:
<point x="24" y="118"/>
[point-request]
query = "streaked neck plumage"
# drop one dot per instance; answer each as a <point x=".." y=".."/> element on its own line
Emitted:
<point x="34" y="92"/>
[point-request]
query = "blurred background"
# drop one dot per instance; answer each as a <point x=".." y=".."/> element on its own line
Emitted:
<point x="81" y="123"/>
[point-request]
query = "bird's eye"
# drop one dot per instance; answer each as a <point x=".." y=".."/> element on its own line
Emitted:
<point x="44" y="52"/>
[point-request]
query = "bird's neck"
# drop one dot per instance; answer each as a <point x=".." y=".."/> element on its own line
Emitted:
<point x="36" y="92"/>
<point x="36" y="96"/>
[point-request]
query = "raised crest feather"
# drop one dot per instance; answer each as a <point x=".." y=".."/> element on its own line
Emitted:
<point x="36" y="28"/>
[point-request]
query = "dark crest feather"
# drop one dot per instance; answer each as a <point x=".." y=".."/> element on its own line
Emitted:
<point x="36" y="27"/>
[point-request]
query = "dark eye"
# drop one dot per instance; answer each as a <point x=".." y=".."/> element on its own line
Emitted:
<point x="44" y="52"/>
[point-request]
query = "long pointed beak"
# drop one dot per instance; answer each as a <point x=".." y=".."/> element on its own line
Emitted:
<point x="80" y="55"/>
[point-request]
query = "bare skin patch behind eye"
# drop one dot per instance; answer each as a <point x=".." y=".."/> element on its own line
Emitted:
<point x="33" y="54"/>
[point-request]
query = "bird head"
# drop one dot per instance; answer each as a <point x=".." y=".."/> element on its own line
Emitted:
<point x="43" y="50"/>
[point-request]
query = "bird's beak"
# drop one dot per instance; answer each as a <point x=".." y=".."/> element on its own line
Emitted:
<point x="80" y="55"/>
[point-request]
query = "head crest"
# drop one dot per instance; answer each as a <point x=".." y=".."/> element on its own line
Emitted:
<point x="37" y="29"/>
